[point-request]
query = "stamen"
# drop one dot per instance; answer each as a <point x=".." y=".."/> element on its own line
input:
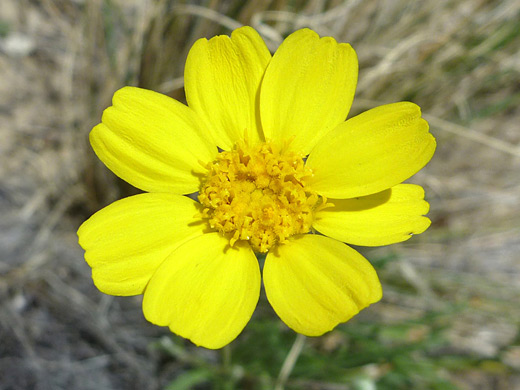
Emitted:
<point x="203" y="164"/>
<point x="323" y="204"/>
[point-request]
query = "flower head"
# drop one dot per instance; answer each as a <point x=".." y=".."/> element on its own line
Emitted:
<point x="264" y="142"/>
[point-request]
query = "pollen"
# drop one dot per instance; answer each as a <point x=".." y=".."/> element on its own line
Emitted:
<point x="258" y="194"/>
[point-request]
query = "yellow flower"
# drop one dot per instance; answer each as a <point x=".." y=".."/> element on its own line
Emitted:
<point x="265" y="144"/>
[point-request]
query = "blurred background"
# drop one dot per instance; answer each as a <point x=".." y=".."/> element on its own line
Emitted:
<point x="450" y="315"/>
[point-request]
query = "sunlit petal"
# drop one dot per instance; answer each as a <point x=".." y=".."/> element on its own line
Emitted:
<point x="390" y="216"/>
<point x="126" y="241"/>
<point x="205" y="291"/>
<point x="307" y="89"/>
<point x="152" y="141"/>
<point x="371" y="152"/>
<point x="222" y="79"/>
<point x="314" y="283"/>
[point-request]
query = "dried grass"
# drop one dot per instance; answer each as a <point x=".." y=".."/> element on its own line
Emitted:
<point x="459" y="60"/>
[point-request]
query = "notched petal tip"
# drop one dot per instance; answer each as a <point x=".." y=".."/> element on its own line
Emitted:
<point x="126" y="92"/>
<point x="303" y="33"/>
<point x="126" y="241"/>
<point x="222" y="79"/>
<point x="373" y="151"/>
<point x="315" y="283"/>
<point x="81" y="233"/>
<point x="152" y="141"/>
<point x="384" y="218"/>
<point x="307" y="90"/>
<point x="204" y="294"/>
<point x="245" y="31"/>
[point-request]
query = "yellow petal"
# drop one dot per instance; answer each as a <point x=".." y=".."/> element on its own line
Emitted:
<point x="387" y="217"/>
<point x="126" y="241"/>
<point x="307" y="89"/>
<point x="371" y="152"/>
<point x="152" y="141"/>
<point x="222" y="78"/>
<point x="314" y="283"/>
<point x="205" y="291"/>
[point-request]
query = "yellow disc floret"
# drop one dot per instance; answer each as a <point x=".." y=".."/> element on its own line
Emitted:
<point x="258" y="194"/>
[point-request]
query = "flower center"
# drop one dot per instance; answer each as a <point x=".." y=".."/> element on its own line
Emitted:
<point x="258" y="194"/>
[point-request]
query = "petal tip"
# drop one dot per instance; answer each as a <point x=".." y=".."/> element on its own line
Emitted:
<point x="244" y="30"/>
<point x="304" y="33"/>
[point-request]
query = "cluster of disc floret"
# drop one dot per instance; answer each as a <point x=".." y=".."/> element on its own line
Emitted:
<point x="258" y="194"/>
